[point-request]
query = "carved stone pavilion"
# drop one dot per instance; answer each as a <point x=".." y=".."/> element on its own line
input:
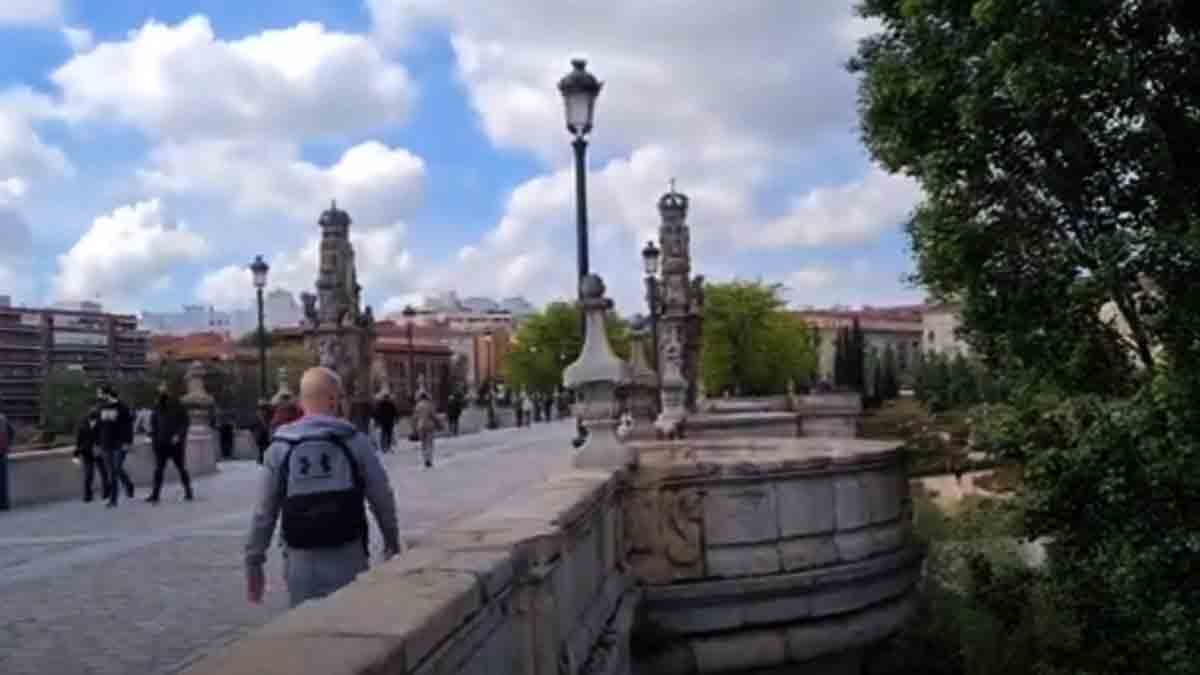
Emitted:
<point x="337" y="332"/>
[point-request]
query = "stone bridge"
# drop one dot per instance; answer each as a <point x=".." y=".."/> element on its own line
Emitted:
<point x="699" y="556"/>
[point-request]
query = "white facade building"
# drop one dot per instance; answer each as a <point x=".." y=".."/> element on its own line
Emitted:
<point x="939" y="330"/>
<point x="280" y="310"/>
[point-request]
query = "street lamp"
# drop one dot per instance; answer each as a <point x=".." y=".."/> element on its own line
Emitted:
<point x="259" y="269"/>
<point x="409" y="314"/>
<point x="650" y="257"/>
<point x="579" y="90"/>
<point x="492" y="423"/>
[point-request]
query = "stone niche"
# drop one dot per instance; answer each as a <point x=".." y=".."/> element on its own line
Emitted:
<point x="760" y="553"/>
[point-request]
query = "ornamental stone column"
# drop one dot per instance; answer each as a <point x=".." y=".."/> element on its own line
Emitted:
<point x="643" y="381"/>
<point x="201" y="452"/>
<point x="595" y="376"/>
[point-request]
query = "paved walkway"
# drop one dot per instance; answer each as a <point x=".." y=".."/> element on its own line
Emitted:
<point x="148" y="590"/>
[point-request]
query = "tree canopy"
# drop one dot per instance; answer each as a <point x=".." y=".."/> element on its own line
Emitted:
<point x="751" y="344"/>
<point x="1057" y="145"/>
<point x="548" y="341"/>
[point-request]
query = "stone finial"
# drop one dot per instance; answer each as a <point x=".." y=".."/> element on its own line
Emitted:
<point x="596" y="374"/>
<point x="197" y="396"/>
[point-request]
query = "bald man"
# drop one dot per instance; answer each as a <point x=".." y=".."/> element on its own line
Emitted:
<point x="316" y="474"/>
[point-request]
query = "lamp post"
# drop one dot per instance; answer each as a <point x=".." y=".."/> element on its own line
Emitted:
<point x="409" y="317"/>
<point x="579" y="90"/>
<point x="259" y="269"/>
<point x="650" y="258"/>
<point x="492" y="423"/>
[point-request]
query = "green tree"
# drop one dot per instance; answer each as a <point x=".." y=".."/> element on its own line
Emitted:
<point x="890" y="382"/>
<point x="69" y="395"/>
<point x="1056" y="145"/>
<point x="751" y="344"/>
<point x="549" y="341"/>
<point x="856" y="357"/>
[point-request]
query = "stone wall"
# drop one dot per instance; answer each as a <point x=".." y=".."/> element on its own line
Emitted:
<point x="534" y="585"/>
<point x="757" y="553"/>
<point x="729" y="555"/>
<point x="49" y="475"/>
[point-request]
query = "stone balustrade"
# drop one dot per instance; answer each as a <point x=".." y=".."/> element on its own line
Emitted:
<point x="730" y="555"/>
<point x="757" y="553"/>
<point x="535" y="585"/>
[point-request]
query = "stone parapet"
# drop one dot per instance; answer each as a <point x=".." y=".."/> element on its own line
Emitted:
<point x="733" y="537"/>
<point x="41" y="476"/>
<point x="535" y="585"/>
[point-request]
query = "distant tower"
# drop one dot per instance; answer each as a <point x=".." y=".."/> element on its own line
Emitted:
<point x="339" y="334"/>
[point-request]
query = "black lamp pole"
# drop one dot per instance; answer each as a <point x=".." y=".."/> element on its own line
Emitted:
<point x="579" y="90"/>
<point x="650" y="257"/>
<point x="409" y="314"/>
<point x="259" y="269"/>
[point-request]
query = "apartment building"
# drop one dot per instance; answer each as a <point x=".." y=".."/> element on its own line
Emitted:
<point x="106" y="347"/>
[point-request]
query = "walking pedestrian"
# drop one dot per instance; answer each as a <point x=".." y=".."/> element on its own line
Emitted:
<point x="454" y="410"/>
<point x="527" y="408"/>
<point x="225" y="433"/>
<point x="8" y="437"/>
<point x="519" y="412"/>
<point x="425" y="424"/>
<point x="88" y="452"/>
<point x="318" y="471"/>
<point x="386" y="414"/>
<point x="168" y="437"/>
<point x="114" y="432"/>
<point x="262" y="429"/>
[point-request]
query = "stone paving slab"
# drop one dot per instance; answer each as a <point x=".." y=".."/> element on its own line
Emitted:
<point x="148" y="590"/>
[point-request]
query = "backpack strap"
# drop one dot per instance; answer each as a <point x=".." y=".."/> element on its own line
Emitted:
<point x="339" y="441"/>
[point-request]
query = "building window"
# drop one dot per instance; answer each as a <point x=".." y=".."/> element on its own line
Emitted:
<point x="931" y="340"/>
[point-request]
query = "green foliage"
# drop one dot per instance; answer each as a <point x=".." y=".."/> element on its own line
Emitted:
<point x="751" y="344"/>
<point x="1047" y="138"/>
<point x="889" y="386"/>
<point x="69" y="395"/>
<point x="951" y="383"/>
<point x="1056" y="145"/>
<point x="850" y="367"/>
<point x="551" y="340"/>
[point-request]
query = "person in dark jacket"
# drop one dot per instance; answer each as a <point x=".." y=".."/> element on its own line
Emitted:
<point x="168" y="434"/>
<point x="386" y="414"/>
<point x="225" y="429"/>
<point x="91" y="456"/>
<point x="114" y="433"/>
<point x="454" y="410"/>
<point x="262" y="429"/>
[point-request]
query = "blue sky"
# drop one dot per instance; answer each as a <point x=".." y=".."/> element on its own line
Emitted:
<point x="148" y="150"/>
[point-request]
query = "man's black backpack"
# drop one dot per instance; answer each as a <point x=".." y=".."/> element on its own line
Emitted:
<point x="323" y="519"/>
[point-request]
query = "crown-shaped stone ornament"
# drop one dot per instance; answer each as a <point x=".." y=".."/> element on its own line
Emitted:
<point x="673" y="205"/>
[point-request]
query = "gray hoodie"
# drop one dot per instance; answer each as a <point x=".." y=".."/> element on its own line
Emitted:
<point x="312" y="573"/>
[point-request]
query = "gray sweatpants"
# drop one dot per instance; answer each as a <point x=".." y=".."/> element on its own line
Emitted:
<point x="315" y="573"/>
<point x="426" y="444"/>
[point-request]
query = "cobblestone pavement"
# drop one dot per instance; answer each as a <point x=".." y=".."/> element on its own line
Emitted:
<point x="148" y="590"/>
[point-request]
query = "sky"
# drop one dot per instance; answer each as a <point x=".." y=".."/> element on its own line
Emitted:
<point x="149" y="150"/>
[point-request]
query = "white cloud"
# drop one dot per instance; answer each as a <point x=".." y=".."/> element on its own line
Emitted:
<point x="23" y="154"/>
<point x="686" y="94"/>
<point x="30" y="12"/>
<point x="12" y="189"/>
<point x="125" y="252"/>
<point x="382" y="260"/>
<point x="685" y="74"/>
<point x="852" y="213"/>
<point x="78" y="38"/>
<point x="182" y="82"/>
<point x="373" y="182"/>
<point x="853" y="283"/>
